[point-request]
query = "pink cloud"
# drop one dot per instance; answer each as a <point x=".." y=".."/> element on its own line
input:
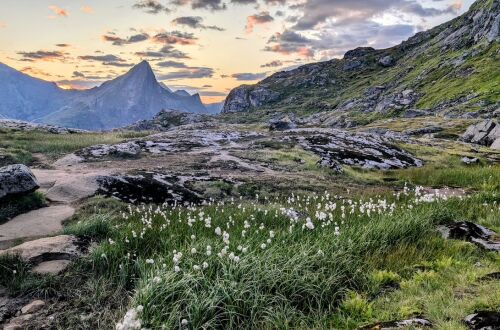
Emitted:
<point x="58" y="11"/>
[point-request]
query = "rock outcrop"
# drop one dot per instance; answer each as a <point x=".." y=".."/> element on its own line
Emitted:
<point x="167" y="119"/>
<point x="16" y="180"/>
<point x="485" y="133"/>
<point x="471" y="232"/>
<point x="483" y="320"/>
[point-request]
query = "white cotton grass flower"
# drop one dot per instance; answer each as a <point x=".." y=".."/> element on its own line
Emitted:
<point x="196" y="267"/>
<point x="218" y="231"/>
<point x="184" y="322"/>
<point x="131" y="320"/>
<point x="177" y="269"/>
<point x="157" y="280"/>
<point x="150" y="261"/>
<point x="263" y="246"/>
<point x="193" y="251"/>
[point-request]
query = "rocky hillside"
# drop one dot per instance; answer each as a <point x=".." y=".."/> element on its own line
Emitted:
<point x="451" y="69"/>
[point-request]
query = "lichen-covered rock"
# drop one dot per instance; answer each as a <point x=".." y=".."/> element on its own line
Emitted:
<point x="17" y="180"/>
<point x="369" y="151"/>
<point x="486" y="133"/>
<point x="386" y="61"/>
<point x="282" y="123"/>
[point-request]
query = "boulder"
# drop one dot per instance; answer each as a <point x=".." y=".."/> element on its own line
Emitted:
<point x="33" y="307"/>
<point x="386" y="61"/>
<point x="486" y="133"/>
<point x="282" y="124"/>
<point x="470" y="161"/>
<point x="17" y="180"/>
<point x="483" y="320"/>
<point x="414" y="323"/>
<point x="471" y="232"/>
<point x="423" y="130"/>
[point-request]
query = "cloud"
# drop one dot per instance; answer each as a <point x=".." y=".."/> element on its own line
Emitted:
<point x="201" y="4"/>
<point x="87" y="10"/>
<point x="42" y="55"/>
<point x="175" y="37"/>
<point x="172" y="64"/>
<point x="195" y="22"/>
<point x="190" y="73"/>
<point x="258" y="19"/>
<point x="63" y="45"/>
<point x="2" y="25"/>
<point x="107" y="60"/>
<point x="272" y="64"/>
<point x="118" y="41"/>
<point x="34" y="71"/>
<point x="151" y="6"/>
<point x="290" y="42"/>
<point x="166" y="51"/>
<point x="58" y="11"/>
<point x="344" y="12"/>
<point x="249" y="76"/>
<point x="77" y="74"/>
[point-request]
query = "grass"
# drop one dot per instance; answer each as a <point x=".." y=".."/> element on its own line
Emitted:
<point x="302" y="278"/>
<point x="21" y="145"/>
<point x="11" y="207"/>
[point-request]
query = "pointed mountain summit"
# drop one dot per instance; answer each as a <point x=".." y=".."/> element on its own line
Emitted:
<point x="134" y="96"/>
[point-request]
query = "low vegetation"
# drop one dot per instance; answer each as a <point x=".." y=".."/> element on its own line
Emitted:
<point x="17" y="205"/>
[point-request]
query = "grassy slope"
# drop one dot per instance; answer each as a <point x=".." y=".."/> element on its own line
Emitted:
<point x="428" y="69"/>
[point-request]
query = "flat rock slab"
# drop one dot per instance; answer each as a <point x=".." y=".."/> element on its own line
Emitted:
<point x="52" y="267"/>
<point x="414" y="323"/>
<point x="63" y="247"/>
<point x="42" y="222"/>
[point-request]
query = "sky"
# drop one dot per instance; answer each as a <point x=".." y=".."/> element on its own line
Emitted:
<point x="204" y="46"/>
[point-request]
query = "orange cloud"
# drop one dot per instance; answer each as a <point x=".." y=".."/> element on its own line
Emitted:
<point x="457" y="5"/>
<point x="2" y="25"/>
<point x="87" y="9"/>
<point x="261" y="18"/>
<point x="58" y="11"/>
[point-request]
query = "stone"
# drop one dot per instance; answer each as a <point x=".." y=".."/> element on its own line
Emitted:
<point x="471" y="232"/>
<point x="414" y="323"/>
<point x="470" y="161"/>
<point x="483" y="320"/>
<point x="52" y="267"/>
<point x="369" y="151"/>
<point x="17" y="180"/>
<point x="386" y="61"/>
<point x="282" y="124"/>
<point x="423" y="130"/>
<point x="486" y="133"/>
<point x="148" y="187"/>
<point x="491" y="277"/>
<point x="19" y="323"/>
<point x="33" y="307"/>
<point x="66" y="247"/>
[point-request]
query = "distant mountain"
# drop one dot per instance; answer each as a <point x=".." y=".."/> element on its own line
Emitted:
<point x="214" y="108"/>
<point x="451" y="69"/>
<point x="135" y="96"/>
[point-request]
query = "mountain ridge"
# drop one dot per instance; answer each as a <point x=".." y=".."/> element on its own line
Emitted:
<point x="134" y="96"/>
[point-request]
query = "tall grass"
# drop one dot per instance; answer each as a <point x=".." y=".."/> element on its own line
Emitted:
<point x="298" y="278"/>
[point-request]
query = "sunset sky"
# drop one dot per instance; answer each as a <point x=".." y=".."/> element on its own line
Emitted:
<point x="206" y="46"/>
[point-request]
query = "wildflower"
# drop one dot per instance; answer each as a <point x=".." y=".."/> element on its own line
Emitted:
<point x="150" y="261"/>
<point x="193" y="251"/>
<point x="193" y="237"/>
<point x="218" y="231"/>
<point x="205" y="265"/>
<point x="196" y="267"/>
<point x="272" y="234"/>
<point x="156" y="280"/>
<point x="184" y="322"/>
<point x="131" y="320"/>
<point x="263" y="246"/>
<point x="236" y="259"/>
<point x="309" y="224"/>
<point x="177" y="269"/>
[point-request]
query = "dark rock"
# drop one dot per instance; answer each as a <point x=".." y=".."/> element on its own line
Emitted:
<point x="386" y="61"/>
<point x="491" y="277"/>
<point x="17" y="180"/>
<point x="358" y="52"/>
<point x="483" y="320"/>
<point x="414" y="113"/>
<point x="167" y="119"/>
<point x="413" y="322"/>
<point x="423" y="130"/>
<point x="471" y="232"/>
<point x="148" y="187"/>
<point x="282" y="123"/>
